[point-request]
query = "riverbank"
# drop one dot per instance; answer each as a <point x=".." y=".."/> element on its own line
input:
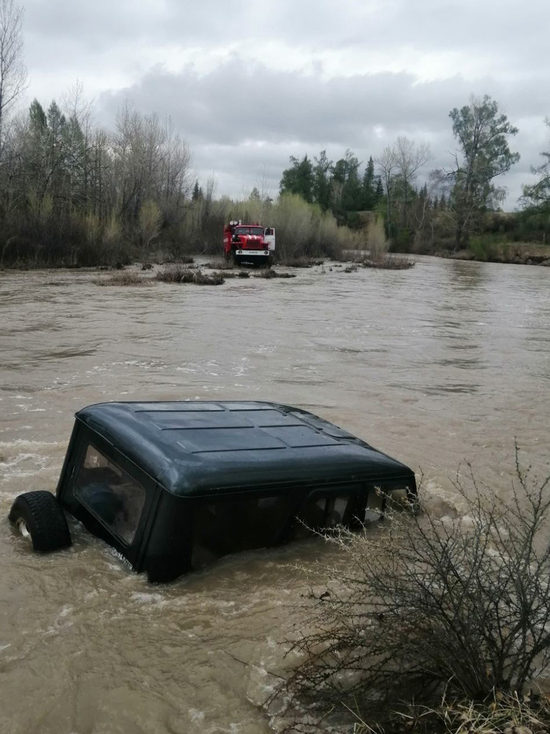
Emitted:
<point x="511" y="254"/>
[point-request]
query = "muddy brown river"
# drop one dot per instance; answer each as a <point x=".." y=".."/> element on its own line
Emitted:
<point x="445" y="362"/>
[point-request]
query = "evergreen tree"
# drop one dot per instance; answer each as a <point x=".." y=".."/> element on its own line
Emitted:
<point x="379" y="190"/>
<point x="298" y="179"/>
<point x="352" y="198"/>
<point x="321" y="184"/>
<point x="369" y="187"/>
<point x="197" y="192"/>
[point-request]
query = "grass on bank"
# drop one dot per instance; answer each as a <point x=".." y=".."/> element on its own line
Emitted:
<point x="508" y="714"/>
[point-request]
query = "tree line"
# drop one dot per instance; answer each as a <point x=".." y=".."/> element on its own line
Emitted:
<point x="451" y="206"/>
<point x="75" y="193"/>
<point x="70" y="191"/>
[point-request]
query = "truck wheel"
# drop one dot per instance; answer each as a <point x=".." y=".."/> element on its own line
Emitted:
<point x="40" y="517"/>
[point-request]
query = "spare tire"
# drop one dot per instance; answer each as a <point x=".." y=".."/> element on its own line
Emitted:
<point x="40" y="516"/>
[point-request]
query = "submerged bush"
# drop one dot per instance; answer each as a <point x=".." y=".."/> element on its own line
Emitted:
<point x="220" y="265"/>
<point x="124" y="279"/>
<point x="268" y="274"/>
<point x="233" y="274"/>
<point x="299" y="262"/>
<point x="385" y="262"/>
<point x="177" y="274"/>
<point x="429" y="604"/>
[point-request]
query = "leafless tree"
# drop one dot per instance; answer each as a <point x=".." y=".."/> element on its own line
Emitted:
<point x="425" y="215"/>
<point x="13" y="73"/>
<point x="410" y="157"/>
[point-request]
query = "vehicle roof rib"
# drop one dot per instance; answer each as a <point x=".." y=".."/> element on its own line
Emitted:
<point x="203" y="447"/>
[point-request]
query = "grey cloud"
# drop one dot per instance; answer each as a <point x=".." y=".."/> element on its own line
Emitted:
<point x="239" y="102"/>
<point x="498" y="32"/>
<point x="239" y="116"/>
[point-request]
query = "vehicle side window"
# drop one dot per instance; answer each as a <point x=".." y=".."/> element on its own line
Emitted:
<point x="321" y="513"/>
<point x="110" y="494"/>
<point x="228" y="526"/>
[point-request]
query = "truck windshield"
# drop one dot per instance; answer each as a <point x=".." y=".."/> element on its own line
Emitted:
<point x="250" y="230"/>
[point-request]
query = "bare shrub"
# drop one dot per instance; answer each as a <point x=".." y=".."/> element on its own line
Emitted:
<point x="112" y="231"/>
<point x="149" y="221"/>
<point x="376" y="239"/>
<point x="304" y="231"/>
<point x="430" y="604"/>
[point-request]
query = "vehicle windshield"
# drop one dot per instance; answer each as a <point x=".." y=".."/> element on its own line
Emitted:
<point x="250" y="230"/>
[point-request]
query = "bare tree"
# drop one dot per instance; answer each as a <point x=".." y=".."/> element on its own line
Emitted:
<point x="13" y="73"/>
<point x="262" y="184"/>
<point x="410" y="157"/>
<point x="425" y="215"/>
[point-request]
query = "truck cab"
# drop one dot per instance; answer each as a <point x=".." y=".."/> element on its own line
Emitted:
<point x="248" y="244"/>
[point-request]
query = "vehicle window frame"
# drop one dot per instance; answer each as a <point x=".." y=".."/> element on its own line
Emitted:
<point x="87" y="442"/>
<point x="355" y="508"/>
<point x="291" y="505"/>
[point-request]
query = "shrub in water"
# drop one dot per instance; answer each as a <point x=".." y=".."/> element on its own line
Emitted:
<point x="430" y="604"/>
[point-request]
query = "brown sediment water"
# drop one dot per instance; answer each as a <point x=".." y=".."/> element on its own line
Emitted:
<point x="443" y="363"/>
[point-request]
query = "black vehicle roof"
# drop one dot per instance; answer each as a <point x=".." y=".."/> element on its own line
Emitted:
<point x="197" y="447"/>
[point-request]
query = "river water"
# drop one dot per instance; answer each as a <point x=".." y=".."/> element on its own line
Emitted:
<point x="436" y="365"/>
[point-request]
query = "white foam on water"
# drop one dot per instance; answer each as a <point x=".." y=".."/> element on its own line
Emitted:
<point x="25" y="464"/>
<point x="196" y="715"/>
<point x="148" y="598"/>
<point x="441" y="502"/>
<point x="25" y="443"/>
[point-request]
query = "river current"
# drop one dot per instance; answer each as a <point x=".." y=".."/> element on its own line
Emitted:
<point x="444" y="363"/>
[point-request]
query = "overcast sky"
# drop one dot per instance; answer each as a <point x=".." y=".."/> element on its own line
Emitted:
<point x="250" y="82"/>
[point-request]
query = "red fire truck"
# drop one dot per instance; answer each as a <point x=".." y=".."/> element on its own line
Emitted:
<point x="248" y="244"/>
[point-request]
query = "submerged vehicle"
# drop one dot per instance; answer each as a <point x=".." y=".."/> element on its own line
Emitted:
<point x="248" y="244"/>
<point x="174" y="485"/>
